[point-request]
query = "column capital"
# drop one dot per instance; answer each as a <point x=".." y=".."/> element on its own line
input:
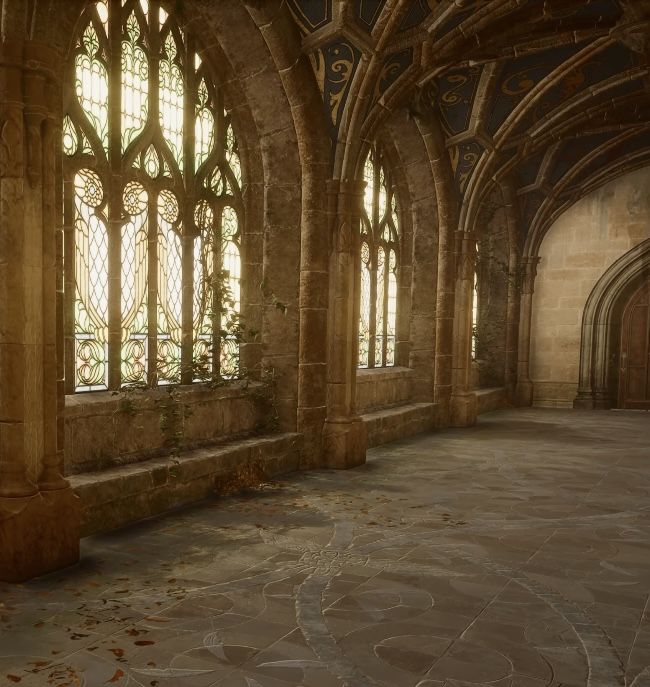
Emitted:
<point x="528" y="272"/>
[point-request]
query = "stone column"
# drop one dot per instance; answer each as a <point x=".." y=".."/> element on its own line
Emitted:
<point x="463" y="399"/>
<point x="39" y="514"/>
<point x="512" y="326"/>
<point x="528" y="272"/>
<point x="312" y="361"/>
<point x="344" y="435"/>
<point x="423" y="300"/>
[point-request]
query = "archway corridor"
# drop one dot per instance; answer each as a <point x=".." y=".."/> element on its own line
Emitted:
<point x="513" y="553"/>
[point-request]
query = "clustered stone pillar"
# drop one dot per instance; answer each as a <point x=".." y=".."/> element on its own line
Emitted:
<point x="463" y="399"/>
<point x="39" y="514"/>
<point x="344" y="435"/>
<point x="524" y="392"/>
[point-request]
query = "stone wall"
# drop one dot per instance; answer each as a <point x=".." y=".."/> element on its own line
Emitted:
<point x="577" y="250"/>
<point x="105" y="430"/>
<point x="383" y="388"/>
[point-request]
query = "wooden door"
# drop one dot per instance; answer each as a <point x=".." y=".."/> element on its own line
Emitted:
<point x="634" y="381"/>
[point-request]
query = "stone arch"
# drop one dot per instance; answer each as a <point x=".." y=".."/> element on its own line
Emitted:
<point x="412" y="168"/>
<point x="598" y="374"/>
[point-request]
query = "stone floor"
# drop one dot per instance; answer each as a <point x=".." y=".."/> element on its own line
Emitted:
<point x="512" y="554"/>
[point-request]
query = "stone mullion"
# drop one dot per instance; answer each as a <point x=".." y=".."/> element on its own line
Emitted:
<point x="217" y="305"/>
<point x="152" y="204"/>
<point x="524" y="390"/>
<point x="114" y="196"/>
<point x="188" y="237"/>
<point x="152" y="290"/>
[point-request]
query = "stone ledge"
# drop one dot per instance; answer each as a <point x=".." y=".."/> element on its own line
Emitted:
<point x="494" y="398"/>
<point x="399" y="422"/>
<point x="121" y="495"/>
<point x="383" y="387"/>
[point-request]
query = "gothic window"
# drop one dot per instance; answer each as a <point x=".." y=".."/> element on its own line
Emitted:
<point x="474" y="315"/>
<point x="379" y="261"/>
<point x="152" y="205"/>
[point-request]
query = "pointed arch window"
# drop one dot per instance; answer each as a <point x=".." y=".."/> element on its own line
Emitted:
<point x="379" y="256"/>
<point x="474" y="315"/>
<point x="152" y="205"/>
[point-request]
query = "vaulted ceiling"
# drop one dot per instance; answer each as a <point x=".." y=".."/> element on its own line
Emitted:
<point x="552" y="96"/>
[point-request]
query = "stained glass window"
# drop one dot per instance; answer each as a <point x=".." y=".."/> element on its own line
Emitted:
<point x="379" y="257"/>
<point x="152" y="206"/>
<point x="474" y="315"/>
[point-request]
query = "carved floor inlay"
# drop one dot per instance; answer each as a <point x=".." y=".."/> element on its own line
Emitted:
<point x="512" y="554"/>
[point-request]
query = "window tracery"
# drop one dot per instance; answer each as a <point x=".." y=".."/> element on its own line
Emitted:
<point x="152" y="205"/>
<point x="379" y="257"/>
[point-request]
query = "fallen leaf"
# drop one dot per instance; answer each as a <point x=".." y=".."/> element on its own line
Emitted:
<point x="144" y="642"/>
<point x="14" y="678"/>
<point x="119" y="674"/>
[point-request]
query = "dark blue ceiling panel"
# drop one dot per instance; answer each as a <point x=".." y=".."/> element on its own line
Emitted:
<point x="528" y="170"/>
<point x="455" y="93"/>
<point x="311" y="14"/>
<point x="613" y="60"/>
<point x="368" y="12"/>
<point x="464" y="158"/>
<point x="574" y="151"/>
<point x="519" y="77"/>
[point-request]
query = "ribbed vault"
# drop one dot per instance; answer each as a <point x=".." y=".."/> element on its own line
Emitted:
<point x="550" y="97"/>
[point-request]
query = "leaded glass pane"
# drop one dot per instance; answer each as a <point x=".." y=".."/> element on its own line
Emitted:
<point x="92" y="84"/>
<point x="379" y="308"/>
<point x="135" y="83"/>
<point x="172" y="91"/>
<point x="151" y="162"/>
<point x="70" y="138"/>
<point x="170" y="289"/>
<point x="134" y="285"/>
<point x="474" y="314"/>
<point x="391" y="309"/>
<point x="232" y="303"/>
<point x="204" y="126"/>
<point x="369" y="178"/>
<point x="91" y="289"/>
<point x="364" y="325"/>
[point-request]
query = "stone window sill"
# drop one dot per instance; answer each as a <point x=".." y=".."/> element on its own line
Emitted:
<point x="382" y="374"/>
<point x="108" y="402"/>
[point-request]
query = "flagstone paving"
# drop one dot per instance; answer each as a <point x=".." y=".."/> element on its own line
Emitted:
<point x="512" y="554"/>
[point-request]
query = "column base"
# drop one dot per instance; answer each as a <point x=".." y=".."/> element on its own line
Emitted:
<point x="524" y="393"/>
<point x="344" y="443"/>
<point x="584" y="400"/>
<point x="463" y="410"/>
<point x="38" y="534"/>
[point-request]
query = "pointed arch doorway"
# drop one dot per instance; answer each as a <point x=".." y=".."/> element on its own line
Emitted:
<point x="634" y="375"/>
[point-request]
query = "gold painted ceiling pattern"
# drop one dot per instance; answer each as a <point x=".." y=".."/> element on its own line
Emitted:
<point x="551" y="95"/>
